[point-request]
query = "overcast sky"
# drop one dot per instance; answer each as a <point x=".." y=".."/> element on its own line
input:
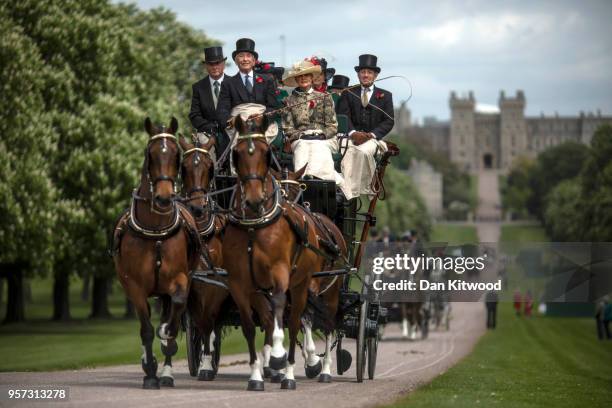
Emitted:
<point x="558" y="52"/>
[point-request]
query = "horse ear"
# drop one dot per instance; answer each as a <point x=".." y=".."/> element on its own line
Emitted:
<point x="238" y="123"/>
<point x="148" y="126"/>
<point x="298" y="174"/>
<point x="173" y="125"/>
<point x="210" y="143"/>
<point x="184" y="143"/>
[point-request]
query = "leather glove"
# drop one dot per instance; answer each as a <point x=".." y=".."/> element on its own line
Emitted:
<point x="360" y="138"/>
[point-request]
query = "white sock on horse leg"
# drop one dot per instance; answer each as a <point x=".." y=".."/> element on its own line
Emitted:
<point x="309" y="347"/>
<point x="167" y="371"/>
<point x="256" y="371"/>
<point x="206" y="362"/>
<point x="266" y="355"/>
<point x="289" y="373"/>
<point x="278" y="336"/>
<point x="327" y="360"/>
<point x="405" y="327"/>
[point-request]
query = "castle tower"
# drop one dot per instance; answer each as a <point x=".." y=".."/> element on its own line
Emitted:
<point x="462" y="131"/>
<point x="513" y="128"/>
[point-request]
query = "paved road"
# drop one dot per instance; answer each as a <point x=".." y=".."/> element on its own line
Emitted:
<point x="402" y="366"/>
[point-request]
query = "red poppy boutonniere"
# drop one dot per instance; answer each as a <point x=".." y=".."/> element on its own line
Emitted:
<point x="380" y="95"/>
<point x="259" y="79"/>
<point x="312" y="104"/>
<point x="277" y="92"/>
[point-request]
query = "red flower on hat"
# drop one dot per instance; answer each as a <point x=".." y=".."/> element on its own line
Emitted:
<point x="313" y="60"/>
<point x="277" y="92"/>
<point x="380" y="95"/>
<point x="266" y="67"/>
<point x="312" y="104"/>
<point x="259" y="79"/>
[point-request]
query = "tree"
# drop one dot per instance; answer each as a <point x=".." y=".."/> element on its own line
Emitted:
<point x="90" y="84"/>
<point x="29" y="199"/>
<point x="563" y="215"/>
<point x="596" y="180"/>
<point x="516" y="192"/>
<point x="554" y="165"/>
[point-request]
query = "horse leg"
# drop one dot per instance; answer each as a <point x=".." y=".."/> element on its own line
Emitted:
<point x="325" y="376"/>
<point x="256" y="382"/>
<point x="278" y="355"/>
<point x="206" y="371"/>
<point x="147" y="335"/>
<point x="312" y="362"/>
<point x="168" y="329"/>
<point x="298" y="303"/>
<point x="262" y="307"/>
<point x="404" y="320"/>
<point x="168" y="347"/>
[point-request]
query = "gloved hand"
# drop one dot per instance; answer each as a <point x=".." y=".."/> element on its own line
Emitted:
<point x="360" y="138"/>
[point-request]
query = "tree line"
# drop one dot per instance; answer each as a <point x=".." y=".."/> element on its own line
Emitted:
<point x="78" y="77"/>
<point x="568" y="187"/>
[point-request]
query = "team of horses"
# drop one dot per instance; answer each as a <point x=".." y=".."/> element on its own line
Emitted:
<point x="256" y="257"/>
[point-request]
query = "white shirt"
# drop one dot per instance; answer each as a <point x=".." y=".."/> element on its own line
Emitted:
<point x="212" y="87"/>
<point x="370" y="92"/>
<point x="250" y="74"/>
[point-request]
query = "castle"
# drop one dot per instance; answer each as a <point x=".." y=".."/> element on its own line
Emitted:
<point x="477" y="138"/>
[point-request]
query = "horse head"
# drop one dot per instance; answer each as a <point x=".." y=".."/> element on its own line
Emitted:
<point x="197" y="170"/>
<point x="252" y="159"/>
<point x="161" y="166"/>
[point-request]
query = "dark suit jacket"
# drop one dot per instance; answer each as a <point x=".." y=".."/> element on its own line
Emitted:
<point x="203" y="114"/>
<point x="233" y="92"/>
<point x="369" y="119"/>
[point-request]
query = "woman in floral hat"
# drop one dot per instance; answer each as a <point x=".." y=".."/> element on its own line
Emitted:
<point x="309" y="123"/>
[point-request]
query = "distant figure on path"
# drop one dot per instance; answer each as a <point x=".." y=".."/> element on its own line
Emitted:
<point x="528" y="304"/>
<point x="491" y="302"/>
<point x="518" y="300"/>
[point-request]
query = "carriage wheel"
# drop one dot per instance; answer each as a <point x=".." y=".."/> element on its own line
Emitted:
<point x="194" y="345"/>
<point x="361" y="342"/>
<point x="339" y="365"/>
<point x="216" y="354"/>
<point x="372" y="354"/>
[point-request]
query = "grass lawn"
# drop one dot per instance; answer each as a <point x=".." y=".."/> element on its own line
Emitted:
<point x="523" y="233"/>
<point x="40" y="344"/>
<point x="537" y="362"/>
<point x="454" y="234"/>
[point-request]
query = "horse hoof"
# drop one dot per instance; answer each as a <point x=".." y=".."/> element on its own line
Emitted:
<point x="325" y="378"/>
<point x="276" y="378"/>
<point x="278" y="363"/>
<point x="313" y="371"/>
<point x="255" y="385"/>
<point x="166" y="381"/>
<point x="267" y="372"/>
<point x="150" y="383"/>
<point x="288" y="384"/>
<point x="206" y="375"/>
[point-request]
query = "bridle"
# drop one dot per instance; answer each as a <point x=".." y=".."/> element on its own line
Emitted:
<point x="275" y="194"/>
<point x="162" y="177"/>
<point x="191" y="194"/>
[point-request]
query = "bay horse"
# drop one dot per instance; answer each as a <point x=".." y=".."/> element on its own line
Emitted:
<point x="205" y="300"/>
<point x="264" y="236"/>
<point x="155" y="246"/>
<point x="326" y="289"/>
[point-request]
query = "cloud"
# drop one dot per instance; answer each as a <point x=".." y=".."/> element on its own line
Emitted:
<point x="559" y="52"/>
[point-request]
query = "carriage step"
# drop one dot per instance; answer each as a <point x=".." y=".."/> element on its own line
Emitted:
<point x="335" y="272"/>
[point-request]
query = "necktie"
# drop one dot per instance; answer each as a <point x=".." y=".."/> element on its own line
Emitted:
<point x="248" y="84"/>
<point x="364" y="97"/>
<point x="216" y="91"/>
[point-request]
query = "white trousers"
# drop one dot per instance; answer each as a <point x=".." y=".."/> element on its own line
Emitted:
<point x="358" y="167"/>
<point x="316" y="155"/>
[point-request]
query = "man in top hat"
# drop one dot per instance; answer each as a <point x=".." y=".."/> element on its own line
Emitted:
<point x="370" y="117"/>
<point x="205" y="98"/>
<point x="246" y="86"/>
<point x="338" y="85"/>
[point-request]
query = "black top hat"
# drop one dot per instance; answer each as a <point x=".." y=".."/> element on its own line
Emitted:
<point x="213" y="54"/>
<point x="245" y="45"/>
<point x="339" y="82"/>
<point x="367" y="61"/>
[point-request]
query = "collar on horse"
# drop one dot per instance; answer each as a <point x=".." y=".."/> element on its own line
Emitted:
<point x="241" y="220"/>
<point x="153" y="233"/>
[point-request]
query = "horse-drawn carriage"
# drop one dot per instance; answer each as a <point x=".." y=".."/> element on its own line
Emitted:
<point x="358" y="317"/>
<point x="278" y="232"/>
